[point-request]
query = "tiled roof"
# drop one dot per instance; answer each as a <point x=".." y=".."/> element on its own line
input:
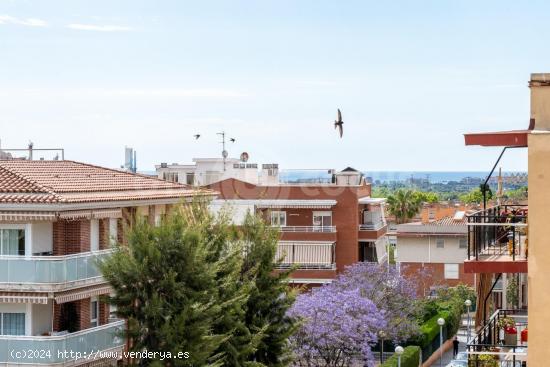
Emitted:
<point x="23" y="181"/>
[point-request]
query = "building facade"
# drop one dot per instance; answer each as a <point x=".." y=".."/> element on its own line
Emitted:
<point x="436" y="250"/>
<point x="57" y="219"/>
<point x="511" y="242"/>
<point x="323" y="227"/>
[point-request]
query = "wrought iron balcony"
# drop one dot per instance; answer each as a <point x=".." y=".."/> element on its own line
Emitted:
<point x="503" y="338"/>
<point x="498" y="232"/>
<point x="306" y="229"/>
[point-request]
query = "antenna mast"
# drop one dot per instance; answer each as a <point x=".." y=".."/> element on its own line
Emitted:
<point x="224" y="152"/>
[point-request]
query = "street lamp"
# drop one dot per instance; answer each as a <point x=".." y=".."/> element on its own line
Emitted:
<point x="399" y="350"/>
<point x="381" y="336"/>
<point x="468" y="304"/>
<point x="440" y="322"/>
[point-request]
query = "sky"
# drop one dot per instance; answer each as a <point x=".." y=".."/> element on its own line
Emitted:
<point x="411" y="77"/>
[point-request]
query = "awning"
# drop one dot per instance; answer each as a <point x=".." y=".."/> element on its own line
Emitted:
<point x="82" y="293"/>
<point x="369" y="200"/>
<point x="514" y="138"/>
<point x="91" y="214"/>
<point x="298" y="204"/>
<point x="9" y="216"/>
<point x="24" y="297"/>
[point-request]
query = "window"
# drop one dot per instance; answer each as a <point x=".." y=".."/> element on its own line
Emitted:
<point x="113" y="231"/>
<point x="12" y="242"/>
<point x="112" y="312"/>
<point x="322" y="219"/>
<point x="278" y="218"/>
<point x="94" y="312"/>
<point x="462" y="243"/>
<point x="170" y="176"/>
<point x="440" y="243"/>
<point x="190" y="179"/>
<point x="12" y="324"/>
<point x="451" y="271"/>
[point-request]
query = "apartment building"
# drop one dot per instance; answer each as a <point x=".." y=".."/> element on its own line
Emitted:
<point x="436" y="249"/>
<point x="512" y="241"/>
<point x="57" y="218"/>
<point x="324" y="227"/>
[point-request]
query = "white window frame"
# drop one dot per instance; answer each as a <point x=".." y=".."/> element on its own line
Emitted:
<point x="21" y="227"/>
<point x="94" y="321"/>
<point x="451" y="271"/>
<point x="437" y="240"/>
<point x="2" y="323"/>
<point x="326" y="213"/>
<point x="277" y="214"/>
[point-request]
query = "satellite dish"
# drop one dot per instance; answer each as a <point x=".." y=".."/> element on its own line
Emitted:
<point x="224" y="153"/>
<point x="244" y="157"/>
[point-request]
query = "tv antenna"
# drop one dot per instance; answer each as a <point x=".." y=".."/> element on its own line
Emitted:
<point x="225" y="154"/>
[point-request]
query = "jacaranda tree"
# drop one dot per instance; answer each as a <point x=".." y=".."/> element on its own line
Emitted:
<point x="341" y="320"/>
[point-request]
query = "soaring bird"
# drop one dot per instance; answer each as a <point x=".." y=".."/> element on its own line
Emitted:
<point x="197" y="136"/>
<point x="232" y="140"/>
<point x="339" y="123"/>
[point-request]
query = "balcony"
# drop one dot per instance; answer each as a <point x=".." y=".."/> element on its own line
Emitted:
<point x="306" y="255"/>
<point x="50" y="273"/>
<point x="510" y="349"/>
<point x="497" y="240"/>
<point x="67" y="350"/>
<point x="307" y="233"/>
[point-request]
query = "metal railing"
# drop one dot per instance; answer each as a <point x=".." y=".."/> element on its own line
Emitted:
<point x="500" y="230"/>
<point x="491" y="340"/>
<point x="51" y="269"/>
<point x="306" y="228"/>
<point x="371" y="226"/>
<point x="72" y="348"/>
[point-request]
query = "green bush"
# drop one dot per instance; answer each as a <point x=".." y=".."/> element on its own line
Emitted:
<point x="430" y="329"/>
<point x="409" y="358"/>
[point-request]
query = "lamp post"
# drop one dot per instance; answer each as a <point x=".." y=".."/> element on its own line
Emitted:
<point x="440" y="322"/>
<point x="381" y="336"/>
<point x="468" y="304"/>
<point x="399" y="350"/>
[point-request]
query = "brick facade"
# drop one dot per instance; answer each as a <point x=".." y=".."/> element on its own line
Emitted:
<point x="71" y="237"/>
<point x="436" y="276"/>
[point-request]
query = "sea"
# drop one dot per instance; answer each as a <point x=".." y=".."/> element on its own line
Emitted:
<point x="389" y="176"/>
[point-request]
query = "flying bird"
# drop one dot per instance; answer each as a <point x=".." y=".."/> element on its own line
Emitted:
<point x="232" y="140"/>
<point x="197" y="136"/>
<point x="339" y="124"/>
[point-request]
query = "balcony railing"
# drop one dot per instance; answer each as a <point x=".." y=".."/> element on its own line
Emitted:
<point x="509" y="349"/>
<point x="71" y="349"/>
<point x="306" y="256"/>
<point x="500" y="230"/>
<point x="371" y="226"/>
<point x="327" y="229"/>
<point x="50" y="272"/>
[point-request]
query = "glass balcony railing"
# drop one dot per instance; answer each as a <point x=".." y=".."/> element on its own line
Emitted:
<point x="75" y="348"/>
<point x="51" y="269"/>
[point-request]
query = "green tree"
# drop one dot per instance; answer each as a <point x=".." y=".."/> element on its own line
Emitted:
<point x="200" y="285"/>
<point x="427" y="197"/>
<point x="404" y="205"/>
<point x="270" y="296"/>
<point x="475" y="196"/>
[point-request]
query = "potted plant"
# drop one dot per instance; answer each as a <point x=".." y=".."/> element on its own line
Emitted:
<point x="510" y="332"/>
<point x="488" y="360"/>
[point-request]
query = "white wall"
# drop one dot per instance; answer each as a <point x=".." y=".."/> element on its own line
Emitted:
<point x="423" y="249"/>
<point x="94" y="235"/>
<point x="42" y="237"/>
<point x="41" y="318"/>
<point x="238" y="210"/>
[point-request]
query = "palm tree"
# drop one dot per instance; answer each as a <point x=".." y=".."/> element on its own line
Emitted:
<point x="404" y="205"/>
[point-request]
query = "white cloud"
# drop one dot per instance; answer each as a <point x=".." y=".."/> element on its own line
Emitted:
<point x="30" y="22"/>
<point x="99" y="28"/>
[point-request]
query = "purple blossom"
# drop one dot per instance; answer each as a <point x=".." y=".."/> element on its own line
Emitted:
<point x="341" y="320"/>
<point x="338" y="327"/>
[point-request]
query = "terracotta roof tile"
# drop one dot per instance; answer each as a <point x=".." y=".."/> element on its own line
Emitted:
<point x="23" y="181"/>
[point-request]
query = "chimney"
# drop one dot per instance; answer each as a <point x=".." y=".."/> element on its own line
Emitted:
<point x="540" y="101"/>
